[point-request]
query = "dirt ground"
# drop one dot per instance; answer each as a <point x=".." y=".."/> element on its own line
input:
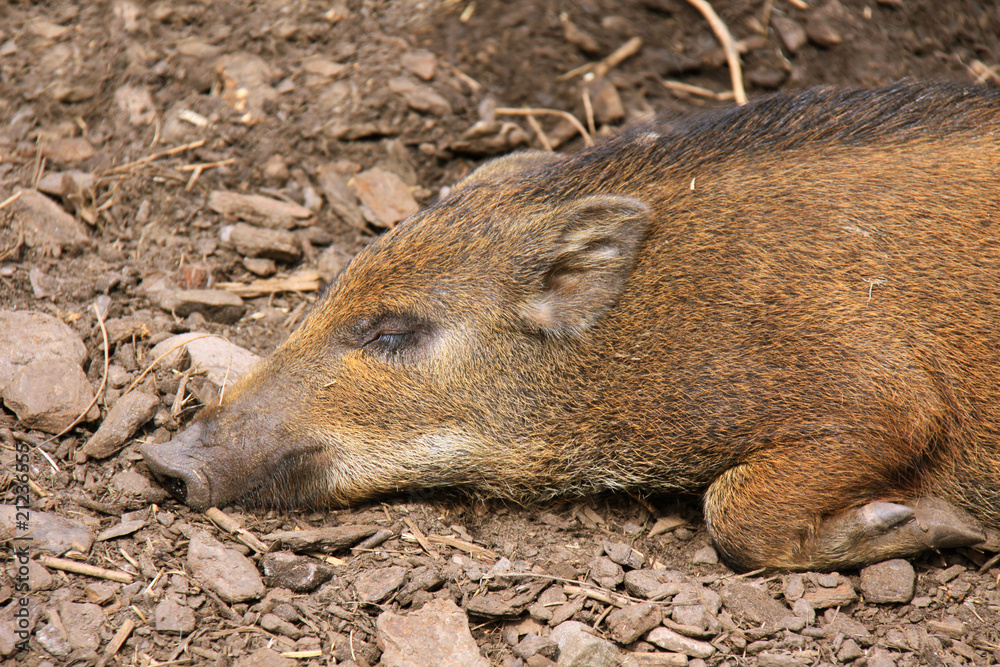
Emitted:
<point x="294" y="99"/>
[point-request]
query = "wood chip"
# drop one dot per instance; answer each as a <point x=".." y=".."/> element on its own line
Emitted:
<point x="260" y="210"/>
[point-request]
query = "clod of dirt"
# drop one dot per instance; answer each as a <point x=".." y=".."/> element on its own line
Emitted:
<point x="296" y="573"/>
<point x="45" y="224"/>
<point x="173" y="617"/>
<point x="220" y="359"/>
<point x="47" y="532"/>
<point x="260" y="210"/>
<point x="215" y="305"/>
<point x="384" y="196"/>
<point x="891" y="581"/>
<point x="578" y="646"/>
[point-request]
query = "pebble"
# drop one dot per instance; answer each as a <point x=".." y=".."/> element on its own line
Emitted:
<point x="695" y="606"/>
<point x="172" y="616"/>
<point x="260" y="266"/>
<point x="578" y="647"/>
<point x="215" y="305"/>
<point x="624" y="555"/>
<point x="795" y="587"/>
<point x="628" y="624"/>
<point x="8" y="624"/>
<point x="673" y="641"/>
<point x="226" y="571"/>
<point x="420" y="62"/>
<point x="260" y="210"/>
<point x="652" y="584"/>
<point x="420" y="96"/>
<point x="888" y="582"/>
<point x="41" y="378"/>
<point x="820" y="29"/>
<point x="374" y="586"/>
<point x="47" y="532"/>
<point x="296" y="573"/>
<point x="605" y="101"/>
<point x="343" y="201"/>
<point x="436" y="634"/>
<point x="67" y="150"/>
<point x="849" y="651"/>
<point x="790" y="32"/>
<point x="328" y="539"/>
<point x="841" y="595"/>
<point x="132" y="483"/>
<point x="384" y="196"/>
<point x="707" y="555"/>
<point x="137" y="103"/>
<point x="67" y="183"/>
<point x="215" y="355"/>
<point x="124" y="418"/>
<point x="605" y="572"/>
<point x="881" y="658"/>
<point x="250" y="241"/>
<point x="783" y="660"/>
<point x="532" y="645"/>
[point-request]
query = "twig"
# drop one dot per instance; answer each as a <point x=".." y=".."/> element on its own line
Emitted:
<point x="537" y="129"/>
<point x="507" y="111"/>
<point x="420" y="537"/>
<point x="76" y="567"/>
<point x="155" y="156"/>
<point x="728" y="45"/>
<point x="697" y="90"/>
<point x="588" y="110"/>
<point x="11" y="199"/>
<point x="232" y="526"/>
<point x="609" y="62"/>
<point x="116" y="642"/>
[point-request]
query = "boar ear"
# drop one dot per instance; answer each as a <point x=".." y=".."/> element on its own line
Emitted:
<point x="593" y="259"/>
<point x="506" y="166"/>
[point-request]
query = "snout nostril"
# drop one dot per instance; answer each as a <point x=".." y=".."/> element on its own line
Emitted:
<point x="175" y="486"/>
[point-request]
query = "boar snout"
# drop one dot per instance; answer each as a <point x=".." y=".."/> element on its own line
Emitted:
<point x="181" y="472"/>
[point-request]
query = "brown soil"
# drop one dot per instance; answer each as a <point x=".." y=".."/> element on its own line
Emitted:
<point x="63" y="69"/>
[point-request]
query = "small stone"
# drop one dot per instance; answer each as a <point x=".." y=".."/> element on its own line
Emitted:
<point x="849" y="651"/>
<point x="696" y="606"/>
<point x="578" y="647"/>
<point x="124" y="418"/>
<point x="951" y="627"/>
<point x="260" y="266"/>
<point x="276" y="169"/>
<point x="532" y="644"/>
<point x="823" y="598"/>
<point x="221" y="360"/>
<point x="260" y="210"/>
<point x="276" y="624"/>
<point x="790" y="32"/>
<point x="343" y="201"/>
<point x="436" y="634"/>
<point x="889" y="582"/>
<point x="229" y="573"/>
<point x="68" y="150"/>
<point x="782" y="660"/>
<point x="250" y="241"/>
<point x="215" y="305"/>
<point x="606" y="572"/>
<point x="805" y="611"/>
<point x="705" y="556"/>
<point x="820" y="29"/>
<point x="46" y="532"/>
<point x="420" y="62"/>
<point x="879" y="657"/>
<point x="385" y="197"/>
<point x="420" y="96"/>
<point x="606" y="102"/>
<point x="672" y="641"/>
<point x="665" y="524"/>
<point x="172" y="616"/>
<point x="374" y="586"/>
<point x="795" y="587"/>
<point x="297" y="573"/>
<point x="652" y="584"/>
<point x="137" y="103"/>
<point x="628" y="624"/>
<point x="323" y="67"/>
<point x="624" y="555"/>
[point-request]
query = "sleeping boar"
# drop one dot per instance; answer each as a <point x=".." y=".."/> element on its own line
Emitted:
<point x="792" y="307"/>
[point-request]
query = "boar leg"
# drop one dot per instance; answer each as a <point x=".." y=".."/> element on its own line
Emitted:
<point x="781" y="512"/>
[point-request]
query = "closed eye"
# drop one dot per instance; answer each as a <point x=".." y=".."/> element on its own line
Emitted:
<point x="390" y="341"/>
